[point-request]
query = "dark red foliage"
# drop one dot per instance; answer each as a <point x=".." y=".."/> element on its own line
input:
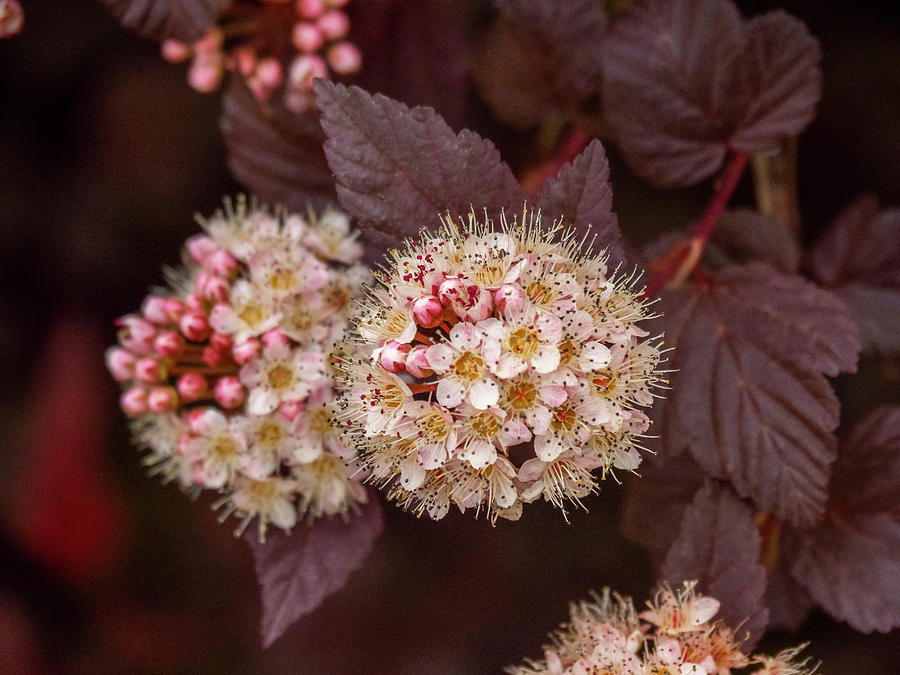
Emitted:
<point x="183" y="20"/>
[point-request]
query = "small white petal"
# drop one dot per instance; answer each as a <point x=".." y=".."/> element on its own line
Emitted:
<point x="261" y="402"/>
<point x="412" y="474"/>
<point x="595" y="355"/>
<point x="546" y="360"/>
<point x="548" y="447"/>
<point x="450" y="393"/>
<point x="483" y="394"/>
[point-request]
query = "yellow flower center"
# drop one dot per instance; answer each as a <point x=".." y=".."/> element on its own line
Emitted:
<point x="539" y="293"/>
<point x="280" y="376"/>
<point x="484" y="424"/>
<point x="521" y="395"/>
<point x="270" y="433"/>
<point x="468" y="366"/>
<point x="603" y="382"/>
<point x="564" y="418"/>
<point x="433" y="425"/>
<point x="320" y="422"/>
<point x="523" y="342"/>
<point x="251" y="314"/>
<point x="566" y="352"/>
<point x="224" y="447"/>
<point x="281" y="280"/>
<point x="264" y="490"/>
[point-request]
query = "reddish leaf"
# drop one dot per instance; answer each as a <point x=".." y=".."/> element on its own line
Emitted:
<point x="398" y="168"/>
<point x="775" y="84"/>
<point x="582" y="196"/>
<point x="540" y="59"/>
<point x="183" y="20"/>
<point x="415" y="51"/>
<point x="655" y="502"/>
<point x="745" y="235"/>
<point x="685" y="80"/>
<point x="850" y="562"/>
<point x="277" y="154"/>
<point x="719" y="545"/>
<point x="298" y="571"/>
<point x="749" y="398"/>
<point x="859" y="256"/>
<point x="65" y="511"/>
<point x="789" y="603"/>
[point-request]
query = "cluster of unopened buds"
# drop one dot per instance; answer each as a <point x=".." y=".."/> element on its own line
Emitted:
<point x="226" y="373"/>
<point x="676" y="635"/>
<point x="12" y="18"/>
<point x="271" y="43"/>
<point x="480" y="349"/>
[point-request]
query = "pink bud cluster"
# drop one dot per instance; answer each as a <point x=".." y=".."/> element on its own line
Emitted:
<point x="227" y="374"/>
<point x="676" y="635"/>
<point x="492" y="368"/>
<point x="12" y="18"/>
<point x="316" y="31"/>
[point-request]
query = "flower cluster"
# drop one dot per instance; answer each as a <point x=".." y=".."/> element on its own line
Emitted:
<point x="478" y="345"/>
<point x="675" y="636"/>
<point x="226" y="374"/>
<point x="256" y="38"/>
<point x="12" y="18"/>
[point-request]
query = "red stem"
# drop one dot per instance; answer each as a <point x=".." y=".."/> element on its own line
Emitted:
<point x="574" y="142"/>
<point x="704" y="228"/>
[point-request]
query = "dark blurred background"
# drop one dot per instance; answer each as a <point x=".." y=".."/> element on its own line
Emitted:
<point x="105" y="155"/>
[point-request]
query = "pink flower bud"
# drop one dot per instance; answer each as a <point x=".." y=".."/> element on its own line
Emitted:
<point x="245" y="59"/>
<point x="169" y="345"/>
<point x="213" y="288"/>
<point x="191" y="387"/>
<point x="150" y="370"/>
<point x="195" y="422"/>
<point x="220" y="342"/>
<point x="428" y="311"/>
<point x="154" y="310"/>
<point x="334" y="24"/>
<point x="417" y="363"/>
<point x="120" y="363"/>
<point x="210" y="43"/>
<point x="221" y="263"/>
<point x="510" y="298"/>
<point x="162" y="400"/>
<point x="193" y="303"/>
<point x="245" y="352"/>
<point x="292" y="409"/>
<point x="214" y="358"/>
<point x="310" y="8"/>
<point x="269" y="72"/>
<point x="204" y="76"/>
<point x="174" y="51"/>
<point x="307" y="38"/>
<point x="304" y="69"/>
<point x="134" y="401"/>
<point x="274" y="336"/>
<point x="195" y="326"/>
<point x="344" y="58"/>
<point x="452" y="289"/>
<point x="479" y="307"/>
<point x="393" y="356"/>
<point x="229" y="392"/>
<point x="12" y="18"/>
<point x="200" y="247"/>
<point x="174" y="309"/>
<point x="137" y="334"/>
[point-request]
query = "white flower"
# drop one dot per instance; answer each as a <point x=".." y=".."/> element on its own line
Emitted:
<point x="464" y="363"/>
<point x="432" y="428"/>
<point x="215" y="446"/>
<point x="281" y="375"/>
<point x="252" y="312"/>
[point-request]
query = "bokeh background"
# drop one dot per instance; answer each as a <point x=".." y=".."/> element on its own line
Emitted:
<point x="105" y="155"/>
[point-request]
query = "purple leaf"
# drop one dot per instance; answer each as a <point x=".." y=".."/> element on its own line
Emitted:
<point x="749" y="398"/>
<point x="182" y="20"/>
<point x="684" y="81"/>
<point x="778" y="79"/>
<point x="277" y="154"/>
<point x="850" y="562"/>
<point x="859" y="257"/>
<point x="719" y="545"/>
<point x="298" y="571"/>
<point x="581" y="194"/>
<point x="655" y="502"/>
<point x="415" y="51"/>
<point x="745" y="235"/>
<point x="540" y="59"/>
<point x="789" y="602"/>
<point x="398" y="168"/>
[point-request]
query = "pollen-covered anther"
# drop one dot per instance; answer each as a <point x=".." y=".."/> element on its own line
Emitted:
<point x="226" y="376"/>
<point x="502" y="338"/>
